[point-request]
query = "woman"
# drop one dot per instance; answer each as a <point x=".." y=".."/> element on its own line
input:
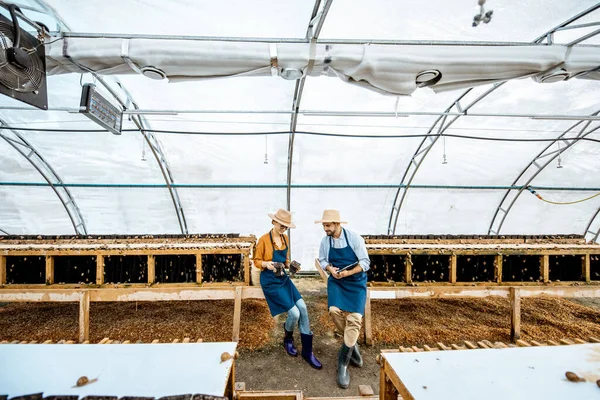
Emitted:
<point x="280" y="292"/>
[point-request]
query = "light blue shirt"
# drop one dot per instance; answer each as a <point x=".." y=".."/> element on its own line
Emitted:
<point x="357" y="244"/>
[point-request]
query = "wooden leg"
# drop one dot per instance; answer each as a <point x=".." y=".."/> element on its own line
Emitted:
<point x="151" y="269"/>
<point x="368" y="332"/>
<point x="2" y="270"/>
<point x="198" y="268"/>
<point x="387" y="391"/>
<point x="237" y="312"/>
<point x="453" y="268"/>
<point x="515" y="314"/>
<point x="99" y="269"/>
<point x="84" y="317"/>
<point x="49" y="270"/>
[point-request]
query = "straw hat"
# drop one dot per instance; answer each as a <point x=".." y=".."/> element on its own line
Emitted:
<point x="284" y="217"/>
<point x="331" y="216"/>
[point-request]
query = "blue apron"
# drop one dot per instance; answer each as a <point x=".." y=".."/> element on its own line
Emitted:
<point x="280" y="292"/>
<point x="349" y="293"/>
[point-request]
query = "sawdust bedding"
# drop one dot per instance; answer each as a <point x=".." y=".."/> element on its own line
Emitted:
<point x="395" y="322"/>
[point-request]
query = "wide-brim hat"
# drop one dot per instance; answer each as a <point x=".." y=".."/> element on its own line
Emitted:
<point x="284" y="217"/>
<point x="331" y="216"/>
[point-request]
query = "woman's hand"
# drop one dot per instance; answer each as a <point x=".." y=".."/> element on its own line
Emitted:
<point x="268" y="265"/>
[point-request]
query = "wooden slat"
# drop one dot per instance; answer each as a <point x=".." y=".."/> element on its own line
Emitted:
<point x="237" y="312"/>
<point x="86" y="342"/>
<point x="500" y="345"/>
<point x="33" y="342"/>
<point x="522" y="343"/>
<point x="453" y="268"/>
<point x="155" y="341"/>
<point x="417" y="349"/>
<point x="586" y="268"/>
<point x="388" y="390"/>
<point x="49" y="270"/>
<point x="408" y="268"/>
<point x="126" y="342"/>
<point x="99" y="269"/>
<point x="566" y="341"/>
<point x="175" y="340"/>
<point x="553" y="343"/>
<point x="536" y="343"/>
<point x="545" y="267"/>
<point x="186" y="340"/>
<point x="199" y="341"/>
<point x="442" y="346"/>
<point x="469" y="345"/>
<point x="365" y="390"/>
<point x="198" y="268"/>
<point x="2" y="270"/>
<point x="427" y="348"/>
<point x="84" y="317"/>
<point x="47" y="342"/>
<point x="456" y="347"/>
<point x="70" y="342"/>
<point x="515" y="313"/>
<point x="483" y="345"/>
<point x="103" y="341"/>
<point x="498" y="268"/>
<point x="368" y="320"/>
<point x="593" y="339"/>
<point x="246" y="269"/>
<point x="151" y="269"/>
<point x="580" y="341"/>
<point x="488" y="344"/>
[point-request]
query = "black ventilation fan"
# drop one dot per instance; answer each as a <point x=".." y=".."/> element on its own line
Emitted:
<point x="22" y="63"/>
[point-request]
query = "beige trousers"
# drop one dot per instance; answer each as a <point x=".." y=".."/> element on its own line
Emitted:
<point x="346" y="322"/>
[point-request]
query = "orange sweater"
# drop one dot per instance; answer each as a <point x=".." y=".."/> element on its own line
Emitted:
<point x="264" y="250"/>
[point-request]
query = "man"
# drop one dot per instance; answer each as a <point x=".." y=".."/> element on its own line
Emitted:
<point x="344" y="255"/>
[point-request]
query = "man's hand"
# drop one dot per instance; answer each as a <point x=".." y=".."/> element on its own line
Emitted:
<point x="333" y="271"/>
<point x="268" y="265"/>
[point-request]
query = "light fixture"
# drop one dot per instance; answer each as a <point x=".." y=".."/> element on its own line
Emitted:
<point x="98" y="109"/>
<point x="483" y="16"/>
<point x="428" y="77"/>
<point x="153" y="73"/>
<point x="556" y="75"/>
<point x="291" y="74"/>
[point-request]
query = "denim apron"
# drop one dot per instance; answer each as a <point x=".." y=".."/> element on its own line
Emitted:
<point x="348" y="293"/>
<point x="280" y="292"/>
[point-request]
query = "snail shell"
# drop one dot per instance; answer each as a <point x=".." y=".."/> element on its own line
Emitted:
<point x="82" y="381"/>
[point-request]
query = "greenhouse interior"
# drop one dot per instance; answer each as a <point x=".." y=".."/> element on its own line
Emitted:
<point x="299" y="200"/>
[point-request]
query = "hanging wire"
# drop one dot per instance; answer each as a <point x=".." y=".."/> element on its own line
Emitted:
<point x="536" y="194"/>
<point x="559" y="165"/>
<point x="444" y="160"/>
<point x="266" y="151"/>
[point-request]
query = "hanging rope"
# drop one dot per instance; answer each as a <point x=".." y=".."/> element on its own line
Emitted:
<point x="560" y="202"/>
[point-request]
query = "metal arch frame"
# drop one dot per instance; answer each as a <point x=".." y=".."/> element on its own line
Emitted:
<point x="45" y="169"/>
<point x="423" y="149"/>
<point x="552" y="155"/>
<point x="395" y="211"/>
<point x="312" y="33"/>
<point x="589" y="226"/>
<point x="4" y="232"/>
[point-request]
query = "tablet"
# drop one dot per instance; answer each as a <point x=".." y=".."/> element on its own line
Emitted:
<point x="348" y="267"/>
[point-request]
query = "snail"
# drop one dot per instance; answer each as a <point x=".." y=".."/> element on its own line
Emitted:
<point x="226" y="356"/>
<point x="82" y="381"/>
<point x="573" y="377"/>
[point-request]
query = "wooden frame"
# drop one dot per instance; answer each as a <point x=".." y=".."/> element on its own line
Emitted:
<point x="85" y="296"/>
<point x="513" y="293"/>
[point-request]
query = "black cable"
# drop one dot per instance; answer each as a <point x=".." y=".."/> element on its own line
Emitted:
<point x="341" y="135"/>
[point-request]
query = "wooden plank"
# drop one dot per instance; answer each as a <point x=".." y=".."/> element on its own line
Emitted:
<point x="515" y="313"/>
<point x="428" y="348"/>
<point x="545" y="267"/>
<point x="126" y="342"/>
<point x="368" y="320"/>
<point x="186" y="340"/>
<point x="580" y="341"/>
<point x="103" y="341"/>
<point x="498" y="268"/>
<point x="47" y="342"/>
<point x="488" y="344"/>
<point x="500" y="345"/>
<point x="408" y="268"/>
<point x="84" y="317"/>
<point x="155" y="341"/>
<point x="456" y="347"/>
<point x="151" y="269"/>
<point x="593" y="339"/>
<point x="388" y="389"/>
<point x="566" y="341"/>
<point x="469" y="345"/>
<point x="417" y="349"/>
<point x="246" y="269"/>
<point x="586" y="267"/>
<point x="536" y="343"/>
<point x="2" y="270"/>
<point x="175" y="340"/>
<point x="553" y="343"/>
<point x="237" y="312"/>
<point x="49" y="270"/>
<point x="198" y="268"/>
<point x="522" y="343"/>
<point x="483" y="345"/>
<point x="322" y="273"/>
<point x="453" y="268"/>
<point x="99" y="269"/>
<point x="365" y="390"/>
<point x="442" y="346"/>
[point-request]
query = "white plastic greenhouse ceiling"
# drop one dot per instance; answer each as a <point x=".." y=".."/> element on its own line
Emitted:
<point x="409" y="117"/>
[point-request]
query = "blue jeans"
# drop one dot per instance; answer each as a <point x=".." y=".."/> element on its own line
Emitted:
<point x="298" y="315"/>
